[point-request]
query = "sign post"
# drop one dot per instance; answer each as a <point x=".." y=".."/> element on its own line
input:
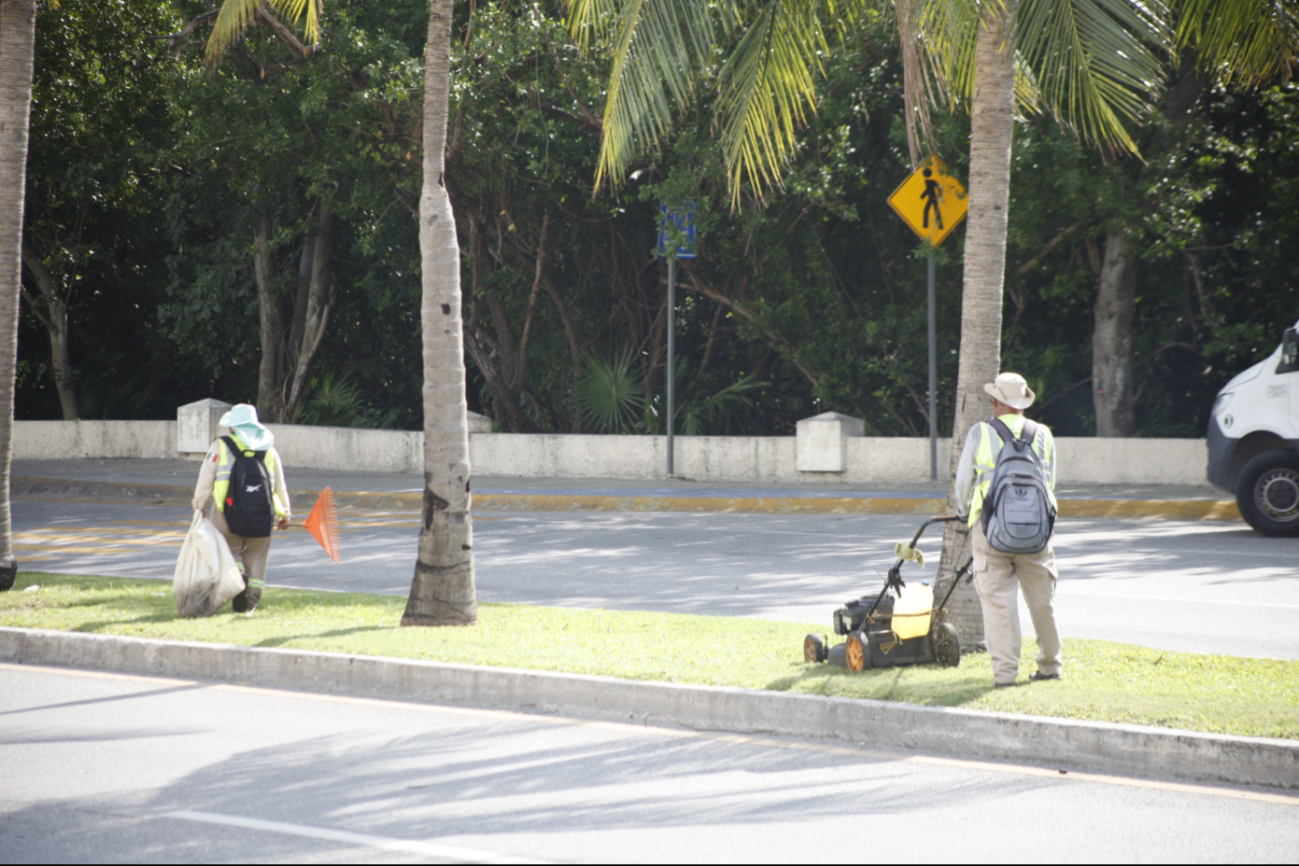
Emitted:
<point x="932" y="203"/>
<point x="682" y="219"/>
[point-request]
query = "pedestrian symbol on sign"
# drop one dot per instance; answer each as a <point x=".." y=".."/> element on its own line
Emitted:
<point x="933" y="192"/>
<point x="931" y="201"/>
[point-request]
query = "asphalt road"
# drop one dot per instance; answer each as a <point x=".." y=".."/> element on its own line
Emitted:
<point x="109" y="768"/>
<point x="1199" y="587"/>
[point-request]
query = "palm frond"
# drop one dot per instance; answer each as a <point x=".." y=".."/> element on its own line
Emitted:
<point x="1242" y="41"/>
<point x="236" y="16"/>
<point x="1094" y="61"/>
<point x="610" y="395"/>
<point x="948" y="32"/>
<point x="766" y="85"/>
<point x="658" y="48"/>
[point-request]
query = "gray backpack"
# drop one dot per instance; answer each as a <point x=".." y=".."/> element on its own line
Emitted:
<point x="1017" y="512"/>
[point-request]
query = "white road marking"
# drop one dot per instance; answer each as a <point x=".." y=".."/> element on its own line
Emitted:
<point x="361" y="840"/>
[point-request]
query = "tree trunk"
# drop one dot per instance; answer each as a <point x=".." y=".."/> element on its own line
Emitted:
<point x="992" y="124"/>
<point x="54" y="317"/>
<point x="442" y="592"/>
<point x="270" y="393"/>
<point x="17" y="44"/>
<point x="1116" y="293"/>
<point x="313" y="314"/>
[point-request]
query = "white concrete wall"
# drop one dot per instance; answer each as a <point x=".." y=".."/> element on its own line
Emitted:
<point x="71" y="440"/>
<point x="349" y="448"/>
<point x="754" y="459"/>
<point x="1132" y="461"/>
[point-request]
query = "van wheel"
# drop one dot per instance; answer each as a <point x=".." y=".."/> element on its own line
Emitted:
<point x="1268" y="493"/>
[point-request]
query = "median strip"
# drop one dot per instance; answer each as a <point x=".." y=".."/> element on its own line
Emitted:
<point x="1121" y="708"/>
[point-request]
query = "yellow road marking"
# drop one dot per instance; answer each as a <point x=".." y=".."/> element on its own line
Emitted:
<point x="1255" y="795"/>
<point x="44" y="530"/>
<point x="26" y="538"/>
<point x="107" y="551"/>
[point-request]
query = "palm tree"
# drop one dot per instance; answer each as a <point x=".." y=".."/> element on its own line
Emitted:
<point x="17" y="46"/>
<point x="1090" y="63"/>
<point x="442" y="592"/>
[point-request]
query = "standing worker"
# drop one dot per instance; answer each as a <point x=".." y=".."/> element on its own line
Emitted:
<point x="1011" y="536"/>
<point x="244" y="476"/>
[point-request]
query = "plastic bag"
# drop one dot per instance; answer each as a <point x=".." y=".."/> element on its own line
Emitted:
<point x="206" y="574"/>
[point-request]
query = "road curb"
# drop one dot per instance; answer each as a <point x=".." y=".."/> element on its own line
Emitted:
<point x="164" y="494"/>
<point x="1062" y="743"/>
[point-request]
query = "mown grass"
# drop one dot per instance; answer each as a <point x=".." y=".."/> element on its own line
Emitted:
<point x="1104" y="681"/>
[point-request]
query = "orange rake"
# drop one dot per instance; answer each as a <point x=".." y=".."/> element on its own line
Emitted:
<point x="322" y="523"/>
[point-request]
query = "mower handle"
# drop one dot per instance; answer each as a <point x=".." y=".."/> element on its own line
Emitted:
<point x="895" y="580"/>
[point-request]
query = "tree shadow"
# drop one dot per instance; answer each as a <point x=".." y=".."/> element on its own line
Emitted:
<point x="880" y="684"/>
<point x="338" y="632"/>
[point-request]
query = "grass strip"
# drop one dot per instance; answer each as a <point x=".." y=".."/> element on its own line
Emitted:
<point x="1104" y="681"/>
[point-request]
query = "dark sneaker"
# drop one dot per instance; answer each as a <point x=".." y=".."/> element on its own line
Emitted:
<point x="239" y="604"/>
<point x="1038" y="677"/>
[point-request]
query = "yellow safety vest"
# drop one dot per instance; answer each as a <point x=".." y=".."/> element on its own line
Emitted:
<point x="985" y="458"/>
<point x="221" y="487"/>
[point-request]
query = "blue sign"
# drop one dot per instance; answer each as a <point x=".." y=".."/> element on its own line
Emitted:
<point x="682" y="218"/>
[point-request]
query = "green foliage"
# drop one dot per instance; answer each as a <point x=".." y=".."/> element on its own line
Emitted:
<point x="148" y="175"/>
<point x="1104" y="681"/>
<point x="611" y="394"/>
<point x="335" y="401"/>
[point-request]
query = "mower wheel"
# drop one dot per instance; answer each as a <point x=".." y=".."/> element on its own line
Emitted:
<point x="814" y="648"/>
<point x="947" y="645"/>
<point x="858" y="652"/>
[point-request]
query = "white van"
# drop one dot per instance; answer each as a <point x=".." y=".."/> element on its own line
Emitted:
<point x="1254" y="440"/>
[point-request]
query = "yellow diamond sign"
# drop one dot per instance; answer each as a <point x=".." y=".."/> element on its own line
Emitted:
<point x="931" y="201"/>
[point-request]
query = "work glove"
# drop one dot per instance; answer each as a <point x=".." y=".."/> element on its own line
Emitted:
<point x="907" y="553"/>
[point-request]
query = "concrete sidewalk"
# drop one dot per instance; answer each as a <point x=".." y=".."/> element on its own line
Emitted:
<point x="171" y="481"/>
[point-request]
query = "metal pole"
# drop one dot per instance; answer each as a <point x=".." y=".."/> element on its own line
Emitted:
<point x="672" y="357"/>
<point x="933" y="381"/>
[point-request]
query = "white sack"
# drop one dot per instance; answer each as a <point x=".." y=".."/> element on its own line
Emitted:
<point x="206" y="574"/>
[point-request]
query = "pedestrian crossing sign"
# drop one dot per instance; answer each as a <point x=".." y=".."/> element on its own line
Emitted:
<point x="931" y="201"/>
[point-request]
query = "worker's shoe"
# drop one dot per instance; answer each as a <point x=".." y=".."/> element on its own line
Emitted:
<point x="1038" y="677"/>
<point x="239" y="604"/>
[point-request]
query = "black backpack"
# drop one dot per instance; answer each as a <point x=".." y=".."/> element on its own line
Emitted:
<point x="1018" y="516"/>
<point x="248" y="511"/>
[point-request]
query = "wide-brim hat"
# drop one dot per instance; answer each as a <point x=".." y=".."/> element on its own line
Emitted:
<point x="242" y="419"/>
<point x="1011" y="389"/>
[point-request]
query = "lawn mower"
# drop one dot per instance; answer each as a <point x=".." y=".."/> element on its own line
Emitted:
<point x="899" y="626"/>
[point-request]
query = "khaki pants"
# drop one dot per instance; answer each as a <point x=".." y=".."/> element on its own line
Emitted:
<point x="997" y="577"/>
<point x="252" y="553"/>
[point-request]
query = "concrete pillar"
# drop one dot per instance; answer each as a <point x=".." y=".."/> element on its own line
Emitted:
<point x="196" y="426"/>
<point x="820" y="445"/>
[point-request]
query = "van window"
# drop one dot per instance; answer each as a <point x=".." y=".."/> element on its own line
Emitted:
<point x="1289" y="352"/>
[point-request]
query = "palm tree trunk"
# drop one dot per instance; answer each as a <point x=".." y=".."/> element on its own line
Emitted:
<point x="17" y="44"/>
<point x="992" y="124"/>
<point x="442" y="592"/>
